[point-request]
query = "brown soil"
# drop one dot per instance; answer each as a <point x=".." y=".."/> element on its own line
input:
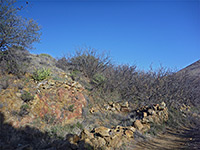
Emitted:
<point x="182" y="139"/>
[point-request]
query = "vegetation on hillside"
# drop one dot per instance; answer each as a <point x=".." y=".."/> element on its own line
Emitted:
<point x="104" y="81"/>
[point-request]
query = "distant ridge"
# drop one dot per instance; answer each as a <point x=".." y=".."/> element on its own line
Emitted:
<point x="192" y="70"/>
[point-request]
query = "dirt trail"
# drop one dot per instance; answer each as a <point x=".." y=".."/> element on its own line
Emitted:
<point x="182" y="139"/>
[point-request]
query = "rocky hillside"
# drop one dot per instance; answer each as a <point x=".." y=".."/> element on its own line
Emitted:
<point x="85" y="102"/>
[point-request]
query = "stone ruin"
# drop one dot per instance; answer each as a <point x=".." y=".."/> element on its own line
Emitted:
<point x="109" y="138"/>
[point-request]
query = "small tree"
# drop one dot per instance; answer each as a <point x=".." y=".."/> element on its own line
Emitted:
<point x="15" y="30"/>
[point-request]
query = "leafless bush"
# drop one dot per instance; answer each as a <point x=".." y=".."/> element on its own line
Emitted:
<point x="14" y="61"/>
<point x="149" y="87"/>
<point x="87" y="61"/>
<point x="119" y="78"/>
<point x="62" y="63"/>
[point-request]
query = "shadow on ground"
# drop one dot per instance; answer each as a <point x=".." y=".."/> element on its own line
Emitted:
<point x="29" y="138"/>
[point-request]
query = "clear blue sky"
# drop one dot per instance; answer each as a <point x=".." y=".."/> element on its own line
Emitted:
<point x="137" y="32"/>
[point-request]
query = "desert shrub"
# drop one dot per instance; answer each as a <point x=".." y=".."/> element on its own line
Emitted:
<point x="41" y="74"/>
<point x="27" y="96"/>
<point x="156" y="128"/>
<point x="88" y="62"/>
<point x="62" y="63"/>
<point x="148" y="87"/>
<point x="120" y="78"/>
<point x="98" y="79"/>
<point x="60" y="131"/>
<point x="49" y="118"/>
<point x="45" y="55"/>
<point x="24" y="110"/>
<point x="14" y="61"/>
<point x="4" y="82"/>
<point x="71" y="108"/>
<point x="75" y="74"/>
<point x="114" y="83"/>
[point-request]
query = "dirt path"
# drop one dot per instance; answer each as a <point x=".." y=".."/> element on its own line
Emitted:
<point x="183" y="139"/>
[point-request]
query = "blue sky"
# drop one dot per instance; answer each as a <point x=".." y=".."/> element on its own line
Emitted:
<point x="141" y="32"/>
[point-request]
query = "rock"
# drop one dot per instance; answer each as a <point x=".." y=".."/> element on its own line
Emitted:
<point x="88" y="141"/>
<point x="92" y="110"/>
<point x="155" y="107"/>
<point x="86" y="134"/>
<point x="146" y="127"/>
<point x="149" y="119"/>
<point x="119" y="129"/>
<point x="125" y="104"/>
<point x="18" y="94"/>
<point x="138" y="125"/>
<point x="103" y="131"/>
<point x="144" y="114"/>
<point x="132" y="128"/>
<point x="51" y="83"/>
<point x="162" y="106"/>
<point x="117" y="107"/>
<point x="79" y="86"/>
<point x="107" y="107"/>
<point x="72" y="138"/>
<point x="125" y="109"/>
<point x="151" y="112"/>
<point x="113" y="109"/>
<point x="129" y="133"/>
<point x="110" y="103"/>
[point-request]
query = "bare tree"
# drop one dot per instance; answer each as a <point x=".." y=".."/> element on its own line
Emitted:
<point x="14" y="29"/>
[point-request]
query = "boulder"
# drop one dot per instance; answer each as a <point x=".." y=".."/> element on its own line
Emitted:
<point x="144" y="114"/>
<point x="131" y="128"/>
<point x="129" y="133"/>
<point x="103" y="131"/>
<point x="138" y="125"/>
<point x="85" y="134"/>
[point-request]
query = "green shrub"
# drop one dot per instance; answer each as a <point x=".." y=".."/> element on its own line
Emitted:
<point x="98" y="79"/>
<point x="26" y="96"/>
<point x="49" y="118"/>
<point x="41" y="74"/>
<point x="45" y="55"/>
<point x="60" y="131"/>
<point x="24" y="110"/>
<point x="75" y="74"/>
<point x="25" y="106"/>
<point x="71" y="108"/>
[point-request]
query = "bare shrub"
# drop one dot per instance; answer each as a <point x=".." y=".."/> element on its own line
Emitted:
<point x="62" y="63"/>
<point x="14" y="61"/>
<point x="87" y="61"/>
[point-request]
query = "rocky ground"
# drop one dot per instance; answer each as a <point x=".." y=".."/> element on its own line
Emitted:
<point x="58" y="113"/>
